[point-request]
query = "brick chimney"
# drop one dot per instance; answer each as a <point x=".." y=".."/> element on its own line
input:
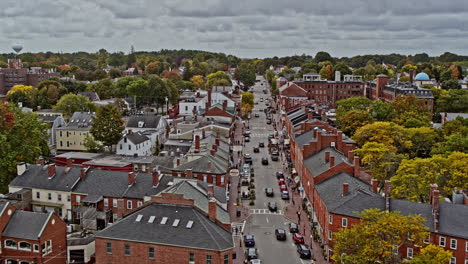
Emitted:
<point x="435" y="195"/>
<point x="209" y="166"/>
<point x="130" y="132"/>
<point x="327" y="156"/>
<point x="215" y="147"/>
<point x="120" y="208"/>
<point x="69" y="163"/>
<point x="209" y="98"/>
<point x="339" y="141"/>
<point x="212" y="209"/>
<point x="83" y="174"/>
<point x="213" y="152"/>
<point x="375" y="184"/>
<point x="411" y="76"/>
<point x="382" y="80"/>
<point x="210" y="191"/>
<point x="21" y="168"/>
<point x="178" y="162"/>
<point x="387" y="194"/>
<point x="225" y="105"/>
<point x="217" y="141"/>
<point x="155" y="178"/>
<point x="357" y="168"/>
<point x="197" y="143"/>
<point x="345" y="189"/>
<point x="131" y="178"/>
<point x="50" y="171"/>
<point x="203" y="133"/>
<point x="332" y="161"/>
<point x="351" y="156"/>
<point x="188" y="173"/>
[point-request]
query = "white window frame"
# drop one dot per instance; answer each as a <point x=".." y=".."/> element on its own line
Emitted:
<point x="106" y="202"/>
<point x="36" y="247"/>
<point x="452" y="240"/>
<point x="114" y="203"/>
<point x="12" y="247"/>
<point x="129" y="204"/>
<point x="330" y="219"/>
<point x="344" y="222"/>
<point x="409" y="252"/>
<point x="330" y="233"/>
<point x="427" y="239"/>
<point x="78" y="199"/>
<point x="24" y="249"/>
<point x="453" y="260"/>
<point x="49" y="246"/>
<point x="139" y="204"/>
<point x="222" y="179"/>
<point x="441" y="238"/>
<point x="466" y="246"/>
<point x="109" y="246"/>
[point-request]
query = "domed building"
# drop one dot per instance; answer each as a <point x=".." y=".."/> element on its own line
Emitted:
<point x="422" y="78"/>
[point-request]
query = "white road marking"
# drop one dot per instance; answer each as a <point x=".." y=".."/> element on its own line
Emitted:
<point x="268" y="221"/>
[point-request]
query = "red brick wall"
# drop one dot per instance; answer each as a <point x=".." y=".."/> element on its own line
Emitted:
<point x="163" y="254"/>
<point x="209" y="177"/>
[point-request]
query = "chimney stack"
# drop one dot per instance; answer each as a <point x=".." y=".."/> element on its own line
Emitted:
<point x="21" y="168"/>
<point x="69" y="163"/>
<point x="215" y="148"/>
<point x="327" y="156"/>
<point x="357" y="168"/>
<point x="411" y="76"/>
<point x="217" y="141"/>
<point x="82" y="174"/>
<point x="345" y="189"/>
<point x="210" y="191"/>
<point x="225" y="105"/>
<point x="212" y="209"/>
<point x="51" y="171"/>
<point x="351" y="156"/>
<point x="197" y="143"/>
<point x="374" y="183"/>
<point x="203" y="133"/>
<point x="131" y="178"/>
<point x="213" y="152"/>
<point x="209" y="98"/>
<point x="332" y="161"/>
<point x="387" y="194"/>
<point x="209" y="166"/>
<point x="178" y="162"/>
<point x="155" y="178"/>
<point x="188" y="173"/>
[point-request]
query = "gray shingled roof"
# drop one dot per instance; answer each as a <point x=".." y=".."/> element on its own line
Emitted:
<point x="316" y="162"/>
<point x="36" y="176"/>
<point x="204" y="234"/>
<point x="26" y="225"/>
<point x="80" y="120"/>
<point x="150" y="121"/>
<point x="136" y="138"/>
<point x="92" y="96"/>
<point x="200" y="165"/>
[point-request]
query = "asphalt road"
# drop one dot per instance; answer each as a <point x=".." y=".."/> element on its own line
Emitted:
<point x="262" y="223"/>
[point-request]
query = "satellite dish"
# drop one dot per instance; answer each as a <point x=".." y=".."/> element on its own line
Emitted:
<point x="17" y="48"/>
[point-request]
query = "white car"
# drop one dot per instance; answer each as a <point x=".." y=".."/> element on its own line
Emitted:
<point x="255" y="261"/>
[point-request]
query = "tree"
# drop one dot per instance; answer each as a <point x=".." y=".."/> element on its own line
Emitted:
<point x="120" y="87"/>
<point x="104" y="88"/>
<point x="198" y="81"/>
<point x="173" y="92"/>
<point x="138" y="89"/>
<point x="353" y="103"/>
<point x="387" y="133"/>
<point x="92" y="145"/>
<point x="409" y="67"/>
<point x="70" y="103"/>
<point x="27" y="95"/>
<point x="269" y="75"/>
<point x="322" y="56"/>
<point x="432" y="254"/>
<point x="376" y="236"/>
<point x="117" y="59"/>
<point x="353" y="120"/>
<point x="49" y="93"/>
<point x="247" y="103"/>
<point x="454" y="142"/>
<point x="107" y="125"/>
<point x="115" y="73"/>
<point x="245" y="73"/>
<point x="455" y="101"/>
<point x="411" y="111"/>
<point x="157" y="91"/>
<point x="153" y="68"/>
<point x="450" y="84"/>
<point x="23" y="139"/>
<point x="422" y="139"/>
<point x="218" y="78"/>
<point x="326" y="72"/>
<point x="342" y="68"/>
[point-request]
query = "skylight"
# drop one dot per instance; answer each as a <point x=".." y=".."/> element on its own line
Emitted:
<point x="164" y="221"/>
<point x="176" y="222"/>
<point x="151" y="219"/>
<point x="189" y="224"/>
<point x="139" y="217"/>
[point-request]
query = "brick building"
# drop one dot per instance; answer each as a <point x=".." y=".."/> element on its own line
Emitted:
<point x="30" y="237"/>
<point x="169" y="229"/>
<point x="15" y="74"/>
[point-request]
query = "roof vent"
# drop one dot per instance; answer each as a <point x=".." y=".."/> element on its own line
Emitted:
<point x="189" y="224"/>
<point x="141" y="124"/>
<point x="151" y="219"/>
<point x="139" y="217"/>
<point x="176" y="223"/>
<point x="163" y="220"/>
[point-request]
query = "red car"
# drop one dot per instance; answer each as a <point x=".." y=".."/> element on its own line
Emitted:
<point x="281" y="182"/>
<point x="283" y="187"/>
<point x="298" y="238"/>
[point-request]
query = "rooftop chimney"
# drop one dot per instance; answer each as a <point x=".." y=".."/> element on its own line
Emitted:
<point x="69" y="163"/>
<point x="197" y="143"/>
<point x="188" y="173"/>
<point x="327" y="156"/>
<point x="210" y="191"/>
<point x="217" y="141"/>
<point x="155" y="178"/>
<point x="357" y="168"/>
<point x="203" y="133"/>
<point x="131" y="178"/>
<point x="215" y="147"/>
<point x="351" y="156"/>
<point x="212" y="209"/>
<point x="374" y="183"/>
<point x="82" y="174"/>
<point x="21" y="168"/>
<point x="209" y="98"/>
<point x="178" y="162"/>
<point x="345" y="188"/>
<point x="51" y="171"/>
<point x="225" y="105"/>
<point x="387" y="194"/>
<point x="209" y="166"/>
<point x="332" y="161"/>
<point x="411" y="76"/>
<point x="337" y="76"/>
<point x="213" y="152"/>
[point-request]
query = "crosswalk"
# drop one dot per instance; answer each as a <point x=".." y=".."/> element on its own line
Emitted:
<point x="259" y="135"/>
<point x="237" y="228"/>
<point x="265" y="211"/>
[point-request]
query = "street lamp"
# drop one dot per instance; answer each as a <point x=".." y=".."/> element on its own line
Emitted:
<point x="167" y="105"/>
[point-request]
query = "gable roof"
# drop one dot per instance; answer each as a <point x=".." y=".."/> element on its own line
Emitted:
<point x="203" y="234"/>
<point x="36" y="176"/>
<point x="149" y="121"/>
<point x="80" y="120"/>
<point x="317" y="165"/>
<point x="300" y="92"/>
<point x="200" y="165"/>
<point x="92" y="96"/>
<point x="26" y="225"/>
<point x="136" y="138"/>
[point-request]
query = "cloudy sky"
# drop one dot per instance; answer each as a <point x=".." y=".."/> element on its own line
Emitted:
<point x="246" y="28"/>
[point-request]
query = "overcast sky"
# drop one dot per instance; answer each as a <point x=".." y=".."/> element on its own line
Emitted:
<point x="246" y="28"/>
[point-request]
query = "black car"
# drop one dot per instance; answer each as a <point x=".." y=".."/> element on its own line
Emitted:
<point x="275" y="156"/>
<point x="269" y="192"/>
<point x="279" y="175"/>
<point x="248" y="158"/>
<point x="251" y="253"/>
<point x="304" y="251"/>
<point x="265" y="161"/>
<point x="256" y="150"/>
<point x="257" y="115"/>
<point x="249" y="240"/>
<point x="272" y="206"/>
<point x="261" y="145"/>
<point x="269" y="122"/>
<point x="293" y="228"/>
<point x="280" y="234"/>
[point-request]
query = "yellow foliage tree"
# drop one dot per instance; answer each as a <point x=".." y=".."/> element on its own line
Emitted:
<point x="20" y="88"/>
<point x="432" y="254"/>
<point x="198" y="81"/>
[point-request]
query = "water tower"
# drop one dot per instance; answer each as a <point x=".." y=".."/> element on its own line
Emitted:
<point x="17" y="48"/>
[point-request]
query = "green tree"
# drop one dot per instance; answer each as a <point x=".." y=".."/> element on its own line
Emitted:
<point x="218" y="78"/>
<point x="455" y="101"/>
<point x="70" y="103"/>
<point x="454" y="142"/>
<point x="450" y="84"/>
<point x="432" y="254"/>
<point x="157" y="91"/>
<point x="353" y="120"/>
<point x="411" y="111"/>
<point x="115" y="73"/>
<point x="173" y="92"/>
<point x="326" y="72"/>
<point x="388" y="133"/>
<point x="107" y="125"/>
<point x="92" y="145"/>
<point x="342" y="68"/>
<point x="138" y="89"/>
<point x="422" y="139"/>
<point x="245" y="73"/>
<point x="322" y="56"/>
<point x="120" y="89"/>
<point x="104" y="88"/>
<point x="49" y="93"/>
<point x="352" y="103"/>
<point x="269" y="75"/>
<point x="376" y="236"/>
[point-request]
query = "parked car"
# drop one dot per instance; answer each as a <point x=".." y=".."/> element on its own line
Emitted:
<point x="255" y="261"/>
<point x="285" y="195"/>
<point x="281" y="181"/>
<point x="248" y="158"/>
<point x="304" y="251"/>
<point x="270" y="136"/>
<point x="247" y="133"/>
<point x="261" y="145"/>
<point x="293" y="228"/>
<point x="283" y="187"/>
<point x="261" y="99"/>
<point x="269" y="192"/>
<point x="275" y="156"/>
<point x="257" y="115"/>
<point x="247" y="139"/>
<point x="265" y="161"/>
<point x="249" y="240"/>
<point x="279" y="175"/>
<point x="251" y="253"/>
<point x="256" y="150"/>
<point x="280" y="234"/>
<point x="272" y="206"/>
<point x="268" y="122"/>
<point x="298" y="238"/>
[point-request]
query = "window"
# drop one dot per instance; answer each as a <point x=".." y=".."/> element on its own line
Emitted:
<point x="68" y="198"/>
<point x="129" y="204"/>
<point x="38" y="195"/>
<point x="442" y="241"/>
<point x="453" y="243"/>
<point x="209" y="259"/>
<point x="11" y="261"/>
<point x="466" y="261"/>
<point x="10" y="243"/>
<point x="114" y="203"/>
<point x="214" y="180"/>
<point x="129" y="147"/>
<point x="60" y="212"/>
<point x="330" y="235"/>
<point x="139" y="203"/>
<point x="222" y="179"/>
<point x="59" y="197"/>
<point x="24" y="246"/>
<point x="466" y="246"/>
<point x="49" y="246"/>
<point x="330" y="219"/>
<point x="109" y="248"/>
<point x="191" y="257"/>
<point x="44" y="249"/>
<point x="409" y="252"/>
<point x="127" y="250"/>
<point x="36" y="248"/>
<point x="453" y="260"/>
<point x="120" y="146"/>
<point x="106" y="202"/>
<point x="204" y="178"/>
<point x="151" y="252"/>
<point x="226" y="258"/>
<point x="344" y="222"/>
<point x="426" y="241"/>
<point x="49" y="196"/>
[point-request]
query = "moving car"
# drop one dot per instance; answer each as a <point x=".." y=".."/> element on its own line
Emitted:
<point x="269" y="192"/>
<point x="280" y="234"/>
<point x="257" y="115"/>
<point x="304" y="251"/>
<point x="270" y="136"/>
<point x="298" y="238"/>
<point x="275" y="156"/>
<point x="293" y="228"/>
<point x="272" y="206"/>
<point x="265" y="161"/>
<point x="283" y="187"/>
<point x="279" y="175"/>
<point x="269" y="122"/>
<point x="256" y="150"/>
<point x="248" y="158"/>
<point x="261" y="99"/>
<point x="261" y="145"/>
<point x="251" y="253"/>
<point x="249" y="240"/>
<point x="247" y="139"/>
<point x="285" y="195"/>
<point x="246" y="133"/>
